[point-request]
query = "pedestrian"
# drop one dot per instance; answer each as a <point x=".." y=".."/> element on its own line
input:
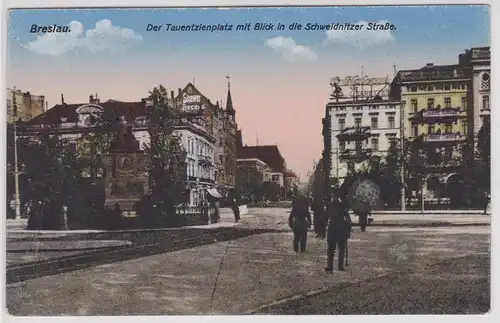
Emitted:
<point x="339" y="228"/>
<point x="363" y="220"/>
<point x="236" y="210"/>
<point x="317" y="207"/>
<point x="486" y="203"/>
<point x="300" y="221"/>
<point x="35" y="215"/>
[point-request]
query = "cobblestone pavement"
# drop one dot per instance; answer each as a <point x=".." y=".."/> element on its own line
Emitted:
<point x="238" y="276"/>
<point x="456" y="286"/>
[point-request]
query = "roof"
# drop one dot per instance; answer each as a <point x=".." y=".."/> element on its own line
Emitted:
<point x="268" y="154"/>
<point x="290" y="173"/>
<point x="432" y="72"/>
<point x="130" y="110"/>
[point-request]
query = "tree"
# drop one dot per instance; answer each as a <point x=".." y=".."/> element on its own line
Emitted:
<point x="50" y="173"/>
<point x="166" y="156"/>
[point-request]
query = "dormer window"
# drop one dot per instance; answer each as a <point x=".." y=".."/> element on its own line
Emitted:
<point x="63" y="120"/>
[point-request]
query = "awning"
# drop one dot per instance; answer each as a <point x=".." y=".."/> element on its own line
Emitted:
<point x="214" y="193"/>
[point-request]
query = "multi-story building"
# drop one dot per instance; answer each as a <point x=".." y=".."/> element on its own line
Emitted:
<point x="435" y="116"/>
<point x="24" y="105"/>
<point x="478" y="61"/>
<point x="251" y="174"/>
<point x="291" y="180"/>
<point x="361" y="122"/>
<point x="72" y="121"/>
<point x="221" y="123"/>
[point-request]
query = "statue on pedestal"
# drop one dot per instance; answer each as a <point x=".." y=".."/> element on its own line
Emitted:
<point x="126" y="179"/>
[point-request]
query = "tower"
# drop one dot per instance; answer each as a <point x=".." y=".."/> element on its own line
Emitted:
<point x="229" y="101"/>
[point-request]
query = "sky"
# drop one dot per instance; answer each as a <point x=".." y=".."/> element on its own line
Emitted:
<point x="279" y="78"/>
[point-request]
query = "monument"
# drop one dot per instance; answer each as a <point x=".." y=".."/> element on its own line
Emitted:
<point x="126" y="180"/>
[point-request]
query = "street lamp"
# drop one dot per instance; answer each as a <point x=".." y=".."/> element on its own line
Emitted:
<point x="17" y="198"/>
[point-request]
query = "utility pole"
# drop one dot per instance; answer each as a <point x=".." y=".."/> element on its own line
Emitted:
<point x="402" y="152"/>
<point x="17" y="197"/>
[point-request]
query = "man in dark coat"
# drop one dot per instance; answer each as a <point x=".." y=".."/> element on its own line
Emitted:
<point x="339" y="229"/>
<point x="300" y="221"/>
<point x="318" y="210"/>
<point x="236" y="210"/>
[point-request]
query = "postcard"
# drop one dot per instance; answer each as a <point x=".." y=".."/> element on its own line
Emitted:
<point x="257" y="160"/>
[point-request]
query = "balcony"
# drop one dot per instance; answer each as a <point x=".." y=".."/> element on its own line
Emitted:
<point x="436" y="115"/>
<point x="204" y="161"/>
<point x="444" y="137"/>
<point x="355" y="154"/>
<point x="356" y="133"/>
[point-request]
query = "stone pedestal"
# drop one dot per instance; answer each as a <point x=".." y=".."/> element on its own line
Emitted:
<point x="126" y="181"/>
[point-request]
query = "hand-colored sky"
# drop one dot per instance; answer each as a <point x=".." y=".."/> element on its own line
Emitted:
<point x="279" y="79"/>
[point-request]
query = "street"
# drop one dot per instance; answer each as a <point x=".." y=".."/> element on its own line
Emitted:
<point x="250" y="268"/>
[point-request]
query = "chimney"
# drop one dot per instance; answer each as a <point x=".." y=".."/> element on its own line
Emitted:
<point x="62" y="98"/>
<point x="172" y="95"/>
<point x="180" y="91"/>
<point x="91" y="98"/>
<point x="97" y="101"/>
<point x="46" y="105"/>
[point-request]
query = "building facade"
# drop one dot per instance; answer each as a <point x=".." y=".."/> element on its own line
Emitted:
<point x="361" y="122"/>
<point x="72" y="121"/>
<point x="436" y="108"/>
<point x="251" y="174"/>
<point x="220" y="123"/>
<point x="24" y="105"/>
<point x="478" y="62"/>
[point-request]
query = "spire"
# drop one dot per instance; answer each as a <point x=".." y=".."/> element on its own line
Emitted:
<point x="229" y="100"/>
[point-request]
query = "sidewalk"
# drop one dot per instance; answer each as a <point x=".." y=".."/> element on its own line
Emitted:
<point x="57" y="245"/>
<point x="243" y="275"/>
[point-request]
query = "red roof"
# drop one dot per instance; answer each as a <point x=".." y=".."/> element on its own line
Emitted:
<point x="130" y="110"/>
<point x="268" y="154"/>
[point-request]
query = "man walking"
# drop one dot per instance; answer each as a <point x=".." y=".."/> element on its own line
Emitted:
<point x="339" y="228"/>
<point x="236" y="210"/>
<point x="300" y="221"/>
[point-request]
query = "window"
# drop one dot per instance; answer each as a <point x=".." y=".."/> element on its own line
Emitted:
<point x="414" y="105"/>
<point x="341" y="124"/>
<point x="447" y="102"/>
<point x="430" y="103"/>
<point x="447" y="87"/>
<point x="430" y="129"/>
<point x="448" y="128"/>
<point x="357" y="122"/>
<point x="375" y="144"/>
<point x="192" y="146"/>
<point x="439" y="87"/>
<point x="374" y="122"/>
<point x="358" y="146"/>
<point x="464" y="127"/>
<point x="391" y="121"/>
<point x="455" y="86"/>
<point x="464" y="103"/>
<point x="414" y="130"/>
<point x="421" y="87"/>
<point x="342" y="146"/>
<point x="189" y="146"/>
<point x="485" y="82"/>
<point x="413" y="89"/>
<point x="430" y="87"/>
<point x="486" y="102"/>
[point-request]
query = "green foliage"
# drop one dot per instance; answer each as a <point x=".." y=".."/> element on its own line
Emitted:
<point x="167" y="157"/>
<point x="248" y="181"/>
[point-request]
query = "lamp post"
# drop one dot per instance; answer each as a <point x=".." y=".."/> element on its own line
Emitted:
<point x="17" y="197"/>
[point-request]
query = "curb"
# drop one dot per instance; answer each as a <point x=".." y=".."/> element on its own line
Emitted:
<point x="67" y="250"/>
